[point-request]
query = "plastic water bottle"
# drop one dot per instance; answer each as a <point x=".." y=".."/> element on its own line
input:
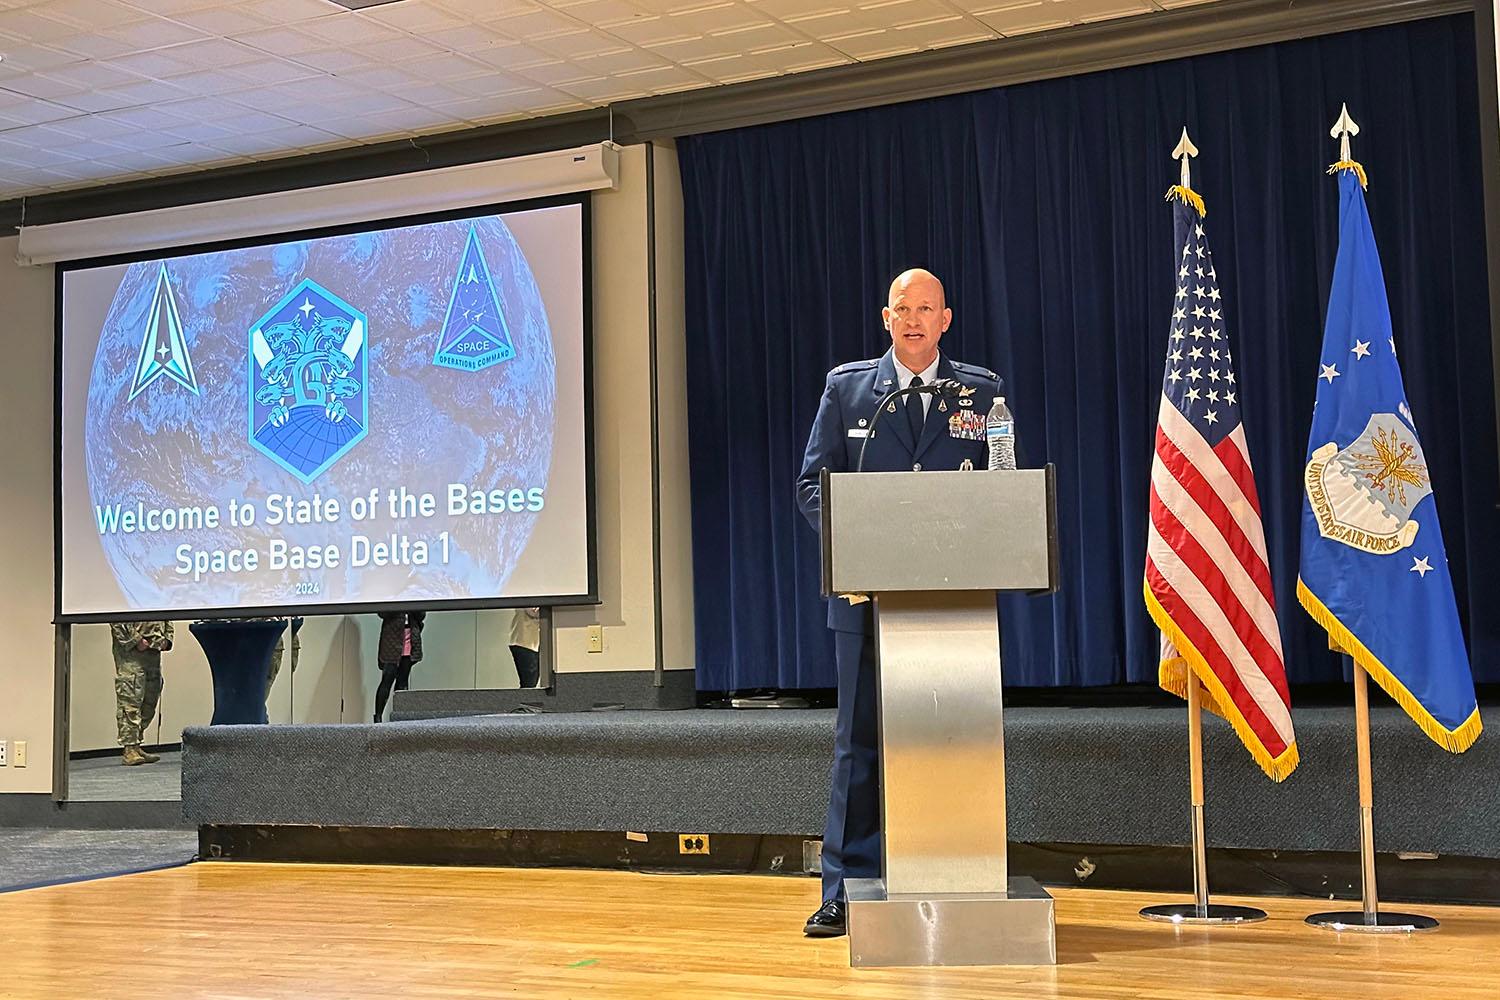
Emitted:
<point x="1000" y="432"/>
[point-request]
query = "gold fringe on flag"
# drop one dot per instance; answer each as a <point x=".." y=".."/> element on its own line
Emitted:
<point x="1173" y="677"/>
<point x="1354" y="165"/>
<point x="1456" y="740"/>
<point x="1187" y="196"/>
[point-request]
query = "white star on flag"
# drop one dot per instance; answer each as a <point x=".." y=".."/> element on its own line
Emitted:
<point x="1361" y="349"/>
<point x="1420" y="567"/>
<point x="1330" y="372"/>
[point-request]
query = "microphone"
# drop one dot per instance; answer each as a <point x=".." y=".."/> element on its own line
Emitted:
<point x="947" y="388"/>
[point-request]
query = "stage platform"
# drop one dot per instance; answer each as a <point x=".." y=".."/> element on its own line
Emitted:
<point x="1080" y="776"/>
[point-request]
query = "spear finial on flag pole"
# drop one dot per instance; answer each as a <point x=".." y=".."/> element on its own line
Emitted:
<point x="1342" y="130"/>
<point x="1183" y="191"/>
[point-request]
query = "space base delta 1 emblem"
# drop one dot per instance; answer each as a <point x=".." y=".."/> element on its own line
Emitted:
<point x="475" y="334"/>
<point x="307" y="380"/>
<point x="1363" y="494"/>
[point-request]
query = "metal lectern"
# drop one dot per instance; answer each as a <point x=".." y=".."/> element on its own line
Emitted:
<point x="932" y="549"/>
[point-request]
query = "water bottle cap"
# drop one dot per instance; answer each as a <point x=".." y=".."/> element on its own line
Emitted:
<point x="999" y="399"/>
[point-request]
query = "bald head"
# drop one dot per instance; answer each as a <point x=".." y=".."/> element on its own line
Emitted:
<point x="917" y="315"/>
<point x="916" y="276"/>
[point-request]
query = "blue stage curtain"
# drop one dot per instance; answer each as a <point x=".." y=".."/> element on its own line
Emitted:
<point x="1040" y="206"/>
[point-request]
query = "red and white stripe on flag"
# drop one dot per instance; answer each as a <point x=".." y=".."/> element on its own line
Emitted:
<point x="1208" y="586"/>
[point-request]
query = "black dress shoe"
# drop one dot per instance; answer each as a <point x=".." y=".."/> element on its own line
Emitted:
<point x="831" y="920"/>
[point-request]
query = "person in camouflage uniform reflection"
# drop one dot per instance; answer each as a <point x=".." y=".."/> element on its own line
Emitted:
<point x="280" y="651"/>
<point x="137" y="647"/>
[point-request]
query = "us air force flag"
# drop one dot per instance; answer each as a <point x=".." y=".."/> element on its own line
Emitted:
<point x="1374" y="572"/>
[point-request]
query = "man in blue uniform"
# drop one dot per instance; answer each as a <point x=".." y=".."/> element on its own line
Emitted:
<point x="920" y="431"/>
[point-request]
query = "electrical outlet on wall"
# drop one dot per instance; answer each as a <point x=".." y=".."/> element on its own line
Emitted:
<point x="4" y="756"/>
<point x="596" y="638"/>
<point x="20" y="753"/>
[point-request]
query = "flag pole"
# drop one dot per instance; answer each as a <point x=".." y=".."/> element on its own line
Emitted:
<point x="1368" y="919"/>
<point x="1200" y="911"/>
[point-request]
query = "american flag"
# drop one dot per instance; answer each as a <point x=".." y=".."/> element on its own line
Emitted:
<point x="1208" y="584"/>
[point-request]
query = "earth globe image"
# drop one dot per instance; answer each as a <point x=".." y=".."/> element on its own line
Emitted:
<point x="391" y="417"/>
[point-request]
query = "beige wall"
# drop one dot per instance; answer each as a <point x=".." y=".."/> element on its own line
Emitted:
<point x="336" y="678"/>
<point x="622" y="431"/>
<point x="26" y="519"/>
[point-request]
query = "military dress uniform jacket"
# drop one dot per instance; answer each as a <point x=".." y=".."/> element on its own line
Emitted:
<point x="952" y="432"/>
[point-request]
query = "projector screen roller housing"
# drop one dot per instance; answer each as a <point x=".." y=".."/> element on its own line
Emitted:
<point x="396" y="415"/>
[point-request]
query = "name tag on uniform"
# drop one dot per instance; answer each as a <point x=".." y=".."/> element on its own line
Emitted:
<point x="859" y="432"/>
<point x="966" y="425"/>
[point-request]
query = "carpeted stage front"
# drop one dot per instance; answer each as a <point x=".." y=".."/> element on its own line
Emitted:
<point x="1093" y="794"/>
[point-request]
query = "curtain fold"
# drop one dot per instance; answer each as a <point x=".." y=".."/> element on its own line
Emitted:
<point x="1040" y="206"/>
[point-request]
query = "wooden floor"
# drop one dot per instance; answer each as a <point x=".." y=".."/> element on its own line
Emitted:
<point x="232" y="931"/>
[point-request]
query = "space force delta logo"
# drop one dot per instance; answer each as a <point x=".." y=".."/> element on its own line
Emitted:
<point x="307" y="380"/>
<point x="164" y="349"/>
<point x="475" y="334"/>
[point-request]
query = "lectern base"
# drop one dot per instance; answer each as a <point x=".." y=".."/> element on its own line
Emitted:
<point x="950" y="929"/>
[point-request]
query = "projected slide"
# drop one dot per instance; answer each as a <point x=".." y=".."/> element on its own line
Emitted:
<point x="388" y="416"/>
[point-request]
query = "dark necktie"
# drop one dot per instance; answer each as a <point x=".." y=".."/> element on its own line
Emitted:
<point x="914" y="410"/>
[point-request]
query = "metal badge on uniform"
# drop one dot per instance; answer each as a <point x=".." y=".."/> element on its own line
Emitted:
<point x="965" y="401"/>
<point x="859" y="432"/>
<point x="861" y="421"/>
<point x="942" y="406"/>
<point x="892" y="407"/>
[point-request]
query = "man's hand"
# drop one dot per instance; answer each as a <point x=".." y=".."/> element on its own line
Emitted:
<point x="142" y="645"/>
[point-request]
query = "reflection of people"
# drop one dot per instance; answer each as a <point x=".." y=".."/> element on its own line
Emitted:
<point x="920" y="432"/>
<point x="400" y="646"/>
<point x="526" y="644"/>
<point x="280" y="651"/>
<point x="137" y="647"/>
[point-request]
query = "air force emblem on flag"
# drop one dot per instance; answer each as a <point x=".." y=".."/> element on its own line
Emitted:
<point x="1363" y="494"/>
<point x="164" y="350"/>
<point x="308" y="377"/>
<point x="475" y="334"/>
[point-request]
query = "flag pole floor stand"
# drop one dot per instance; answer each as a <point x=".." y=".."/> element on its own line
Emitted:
<point x="1360" y="922"/>
<point x="1212" y="914"/>
<point x="1200" y="911"/>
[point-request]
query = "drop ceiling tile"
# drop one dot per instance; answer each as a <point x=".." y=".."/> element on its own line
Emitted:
<point x="42" y="85"/>
<point x="34" y="27"/>
<point x="154" y="32"/>
<point x="1016" y="19"/>
<point x="399" y="48"/>
<point x="667" y="80"/>
<point x="430" y="95"/>
<point x="348" y="29"/>
<point x="90" y="15"/>
<point x="381" y="77"/>
<point x="603" y="91"/>
<point x="709" y="19"/>
<point x="1098" y="10"/>
<point x="282" y="41"/>
<point x="156" y="64"/>
<point x="93" y="101"/>
<point x="599" y="12"/>
<point x="484" y="10"/>
<point x="625" y="60"/>
<point x="288" y="11"/>
<point x="270" y="71"/>
<point x="649" y="31"/>
<point x="493" y="85"/>
<point x="92" y="127"/>
<point x="34" y="112"/>
<point x="467" y="38"/>
<point x="22" y="58"/>
<point x="207" y="83"/>
<point x="553" y="74"/>
<point x="215" y="53"/>
<point x="577" y="44"/>
<point x="224" y="21"/>
<point x="171" y="8"/>
<point x="787" y="10"/>
<point x="809" y="56"/>
<point x="417" y="18"/>
<point x="448" y="68"/>
<point x="528" y="24"/>
<point x="197" y="132"/>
